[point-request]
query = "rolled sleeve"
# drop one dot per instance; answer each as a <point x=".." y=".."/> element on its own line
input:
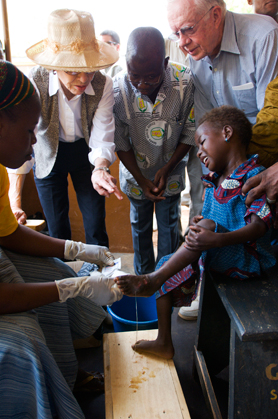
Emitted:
<point x="101" y="139"/>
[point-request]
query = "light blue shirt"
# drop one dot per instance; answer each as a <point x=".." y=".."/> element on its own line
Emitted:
<point x="239" y="74"/>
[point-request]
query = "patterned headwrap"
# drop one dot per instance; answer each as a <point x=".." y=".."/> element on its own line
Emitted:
<point x="14" y="85"/>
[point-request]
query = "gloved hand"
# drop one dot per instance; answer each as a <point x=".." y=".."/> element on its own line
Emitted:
<point x="97" y="287"/>
<point x="92" y="253"/>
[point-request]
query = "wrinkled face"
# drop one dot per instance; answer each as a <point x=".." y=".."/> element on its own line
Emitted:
<point x="265" y="7"/>
<point x="146" y="76"/>
<point x="109" y="40"/>
<point x="74" y="84"/>
<point x="212" y="147"/>
<point x="17" y="133"/>
<point x="199" y="34"/>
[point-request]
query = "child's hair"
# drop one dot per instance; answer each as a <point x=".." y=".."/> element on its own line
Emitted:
<point x="229" y="115"/>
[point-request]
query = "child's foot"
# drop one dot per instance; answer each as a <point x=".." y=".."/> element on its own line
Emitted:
<point x="139" y="286"/>
<point x="155" y="348"/>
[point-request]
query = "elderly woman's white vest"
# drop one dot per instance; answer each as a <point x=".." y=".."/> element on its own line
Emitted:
<point x="46" y="147"/>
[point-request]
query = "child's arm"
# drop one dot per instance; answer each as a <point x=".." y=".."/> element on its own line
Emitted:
<point x="201" y="239"/>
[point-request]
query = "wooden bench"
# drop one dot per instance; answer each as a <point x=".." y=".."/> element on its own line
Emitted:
<point x="238" y="326"/>
<point x="139" y="386"/>
<point x="37" y="225"/>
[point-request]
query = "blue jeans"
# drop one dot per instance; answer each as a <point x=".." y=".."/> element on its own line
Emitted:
<point x="72" y="158"/>
<point x="141" y="218"/>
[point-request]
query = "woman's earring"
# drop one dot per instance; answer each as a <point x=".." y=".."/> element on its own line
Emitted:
<point x="227" y="140"/>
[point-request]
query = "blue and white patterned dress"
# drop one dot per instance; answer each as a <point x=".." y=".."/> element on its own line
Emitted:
<point x="225" y="205"/>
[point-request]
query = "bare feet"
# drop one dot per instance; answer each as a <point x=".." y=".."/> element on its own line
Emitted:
<point x="154" y="347"/>
<point x="139" y="286"/>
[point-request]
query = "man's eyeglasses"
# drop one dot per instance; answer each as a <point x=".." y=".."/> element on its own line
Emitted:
<point x="149" y="81"/>
<point x="187" y="30"/>
<point x="76" y="73"/>
<point x="111" y="42"/>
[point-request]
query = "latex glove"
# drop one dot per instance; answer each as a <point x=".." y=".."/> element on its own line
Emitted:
<point x="92" y="253"/>
<point x="97" y="287"/>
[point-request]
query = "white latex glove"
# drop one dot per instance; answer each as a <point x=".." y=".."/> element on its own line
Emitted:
<point x="92" y="253"/>
<point x="97" y="287"/>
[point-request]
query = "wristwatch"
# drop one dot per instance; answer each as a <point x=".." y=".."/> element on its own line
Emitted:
<point x="104" y="168"/>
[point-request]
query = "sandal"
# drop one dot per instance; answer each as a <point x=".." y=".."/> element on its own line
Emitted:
<point x="94" y="382"/>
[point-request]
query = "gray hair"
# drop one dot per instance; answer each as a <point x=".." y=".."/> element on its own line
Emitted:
<point x="202" y="6"/>
<point x="113" y="35"/>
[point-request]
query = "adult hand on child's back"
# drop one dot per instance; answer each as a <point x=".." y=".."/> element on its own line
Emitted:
<point x="200" y="239"/>
<point x="265" y="182"/>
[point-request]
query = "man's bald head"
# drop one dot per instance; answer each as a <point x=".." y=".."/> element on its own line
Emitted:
<point x="145" y="60"/>
<point x="145" y="43"/>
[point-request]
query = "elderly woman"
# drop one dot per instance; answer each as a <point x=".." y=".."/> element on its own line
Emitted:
<point x="38" y="367"/>
<point x="75" y="132"/>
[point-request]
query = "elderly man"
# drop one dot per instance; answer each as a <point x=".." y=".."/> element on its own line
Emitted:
<point x="265" y="7"/>
<point x="154" y="132"/>
<point x="231" y="55"/>
<point x="231" y="58"/>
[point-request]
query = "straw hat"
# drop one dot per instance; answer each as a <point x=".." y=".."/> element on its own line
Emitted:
<point x="72" y="45"/>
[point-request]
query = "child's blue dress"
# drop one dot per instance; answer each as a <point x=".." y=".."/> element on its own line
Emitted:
<point x="225" y="205"/>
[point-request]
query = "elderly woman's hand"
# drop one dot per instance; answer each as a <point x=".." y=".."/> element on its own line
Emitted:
<point x="105" y="184"/>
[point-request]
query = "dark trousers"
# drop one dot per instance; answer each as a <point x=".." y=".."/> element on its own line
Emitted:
<point x="72" y="158"/>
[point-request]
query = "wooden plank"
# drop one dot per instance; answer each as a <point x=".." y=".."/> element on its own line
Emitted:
<point x="37" y="225"/>
<point x="206" y="384"/>
<point x="107" y="378"/>
<point x="140" y="386"/>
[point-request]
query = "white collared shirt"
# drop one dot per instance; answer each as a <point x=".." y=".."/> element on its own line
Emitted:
<point x="101" y="139"/>
<point x="246" y="63"/>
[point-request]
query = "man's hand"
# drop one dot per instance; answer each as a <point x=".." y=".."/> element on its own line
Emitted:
<point x="160" y="179"/>
<point x="105" y="184"/>
<point x="151" y="191"/>
<point x="265" y="182"/>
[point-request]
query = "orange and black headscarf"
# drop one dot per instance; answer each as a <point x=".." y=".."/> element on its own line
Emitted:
<point x="14" y="85"/>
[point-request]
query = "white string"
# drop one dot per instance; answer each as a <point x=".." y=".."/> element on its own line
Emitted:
<point x="136" y="311"/>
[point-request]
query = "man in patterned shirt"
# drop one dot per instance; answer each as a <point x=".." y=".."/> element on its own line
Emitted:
<point x="154" y="132"/>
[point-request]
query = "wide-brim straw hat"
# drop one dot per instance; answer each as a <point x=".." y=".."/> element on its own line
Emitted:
<point x="72" y="45"/>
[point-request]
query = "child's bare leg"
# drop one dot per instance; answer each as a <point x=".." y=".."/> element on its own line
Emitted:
<point x="163" y="345"/>
<point x="146" y="285"/>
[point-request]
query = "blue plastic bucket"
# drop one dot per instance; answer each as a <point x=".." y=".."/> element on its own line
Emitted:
<point x="123" y="313"/>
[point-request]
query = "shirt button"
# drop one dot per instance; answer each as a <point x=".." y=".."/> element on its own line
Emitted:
<point x="217" y="91"/>
<point x="215" y="69"/>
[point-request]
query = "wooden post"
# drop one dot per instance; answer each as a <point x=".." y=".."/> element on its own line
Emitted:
<point x="6" y="31"/>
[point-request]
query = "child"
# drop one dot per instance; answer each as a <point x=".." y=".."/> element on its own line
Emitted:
<point x="227" y="238"/>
